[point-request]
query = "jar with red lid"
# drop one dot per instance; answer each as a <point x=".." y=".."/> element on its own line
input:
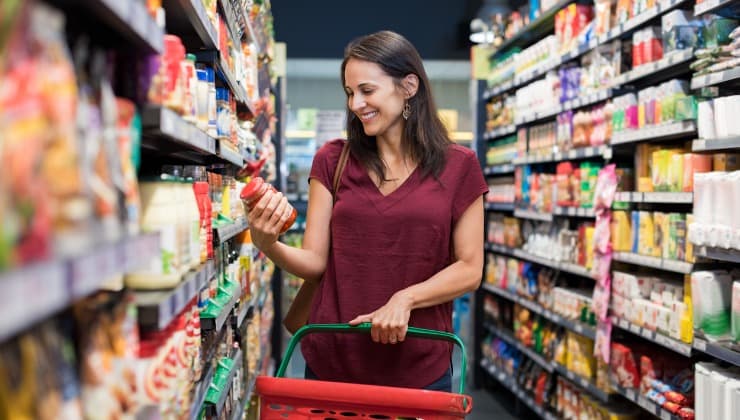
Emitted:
<point x="253" y="192"/>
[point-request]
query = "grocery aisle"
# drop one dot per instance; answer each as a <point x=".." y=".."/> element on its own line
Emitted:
<point x="128" y="281"/>
<point x="611" y="282"/>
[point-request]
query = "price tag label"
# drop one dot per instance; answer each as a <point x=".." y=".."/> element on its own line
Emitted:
<point x="715" y="78"/>
<point x="139" y="19"/>
<point x="119" y="8"/>
<point x="167" y="122"/>
<point x="634" y="329"/>
<point x="700" y="344"/>
<point x="578" y="328"/>
<point x="584" y="383"/>
<point x="501" y="377"/>
<point x="665" y="415"/>
<point x="645" y="403"/>
<point x="630" y="394"/>
<point x="647" y="334"/>
<point x="570" y="375"/>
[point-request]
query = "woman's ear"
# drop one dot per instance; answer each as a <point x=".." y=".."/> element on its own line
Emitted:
<point x="410" y="84"/>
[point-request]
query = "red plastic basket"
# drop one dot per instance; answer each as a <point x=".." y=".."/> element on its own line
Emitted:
<point x="290" y="398"/>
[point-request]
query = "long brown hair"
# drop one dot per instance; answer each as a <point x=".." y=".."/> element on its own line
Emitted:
<point x="424" y="138"/>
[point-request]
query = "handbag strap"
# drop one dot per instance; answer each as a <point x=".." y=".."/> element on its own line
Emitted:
<point x="343" y="157"/>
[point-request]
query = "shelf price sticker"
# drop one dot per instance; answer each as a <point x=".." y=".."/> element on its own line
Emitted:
<point x="635" y="329"/>
<point x="646" y="333"/>
<point x="630" y="394"/>
<point x="646" y="403"/>
<point x="584" y="383"/>
<point x="23" y="304"/>
<point x="139" y="18"/>
<point x="700" y="344"/>
<point x="665" y="415"/>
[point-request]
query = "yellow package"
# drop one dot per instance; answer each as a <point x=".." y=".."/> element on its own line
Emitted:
<point x="646" y="234"/>
<point x="589" y="245"/>
<point x="660" y="234"/>
<point x="687" y="323"/>
<point x="689" y="254"/>
<point x="621" y="231"/>
<point x="674" y="176"/>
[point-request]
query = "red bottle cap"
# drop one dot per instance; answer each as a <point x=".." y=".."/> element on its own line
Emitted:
<point x="252" y="188"/>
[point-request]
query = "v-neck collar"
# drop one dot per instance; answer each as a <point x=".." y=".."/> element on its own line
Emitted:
<point x="384" y="202"/>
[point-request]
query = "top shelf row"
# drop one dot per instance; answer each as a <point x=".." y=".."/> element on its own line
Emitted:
<point x="617" y="32"/>
<point x="130" y="21"/>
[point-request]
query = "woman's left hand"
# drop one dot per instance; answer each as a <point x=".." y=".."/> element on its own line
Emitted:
<point x="390" y="322"/>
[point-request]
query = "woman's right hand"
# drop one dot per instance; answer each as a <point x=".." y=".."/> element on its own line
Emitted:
<point x="267" y="218"/>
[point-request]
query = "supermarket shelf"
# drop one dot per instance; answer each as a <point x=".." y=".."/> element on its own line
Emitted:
<point x="533" y="215"/>
<point x="215" y="409"/>
<point x="503" y="168"/>
<point x="616" y="32"/>
<point x="727" y="8"/>
<point x="229" y="155"/>
<point x="188" y="18"/>
<point x="218" y="322"/>
<point x="167" y="132"/>
<point x="575" y="326"/>
<point x="236" y="89"/>
<point x="66" y="280"/>
<point x="157" y="308"/>
<point x="661" y="132"/>
<point x="500" y="206"/>
<point x="655" y="197"/>
<point x="706" y="145"/>
<point x="729" y="255"/>
<point x="669" y="62"/>
<point x="582" y="382"/>
<point x="568" y="105"/>
<point x="128" y="19"/>
<point x="716" y="78"/>
<point x="499" y="89"/>
<point x="226" y="232"/>
<point x="579" y="153"/>
<point x="679" y="347"/>
<point x="524" y="255"/>
<point x="717" y="350"/>
<point x="201" y="389"/>
<point x="231" y="23"/>
<point x="250" y="386"/>
<point x="682" y="267"/>
<point x="644" y="402"/>
<point x="574" y="211"/>
<point x="499" y="132"/>
<point x="537" y="358"/>
<point x="509" y="383"/>
<point x="534" y="31"/>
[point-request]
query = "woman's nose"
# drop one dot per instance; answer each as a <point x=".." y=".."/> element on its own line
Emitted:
<point x="357" y="102"/>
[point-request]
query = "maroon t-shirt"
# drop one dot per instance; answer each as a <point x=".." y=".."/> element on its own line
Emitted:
<point x="379" y="245"/>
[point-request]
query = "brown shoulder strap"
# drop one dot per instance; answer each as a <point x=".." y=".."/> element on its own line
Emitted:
<point x="340" y="168"/>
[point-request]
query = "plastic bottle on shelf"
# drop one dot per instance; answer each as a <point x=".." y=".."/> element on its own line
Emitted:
<point x="212" y="108"/>
<point x="255" y="189"/>
<point x="163" y="271"/>
<point x="194" y="222"/>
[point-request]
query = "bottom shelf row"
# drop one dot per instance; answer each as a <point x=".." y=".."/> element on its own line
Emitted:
<point x="105" y="365"/>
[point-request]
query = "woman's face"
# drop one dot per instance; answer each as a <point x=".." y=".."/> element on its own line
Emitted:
<point x="374" y="98"/>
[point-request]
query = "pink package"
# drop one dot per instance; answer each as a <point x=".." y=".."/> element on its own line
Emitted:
<point x="606" y="187"/>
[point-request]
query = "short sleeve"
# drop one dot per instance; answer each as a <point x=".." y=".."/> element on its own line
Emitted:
<point x="472" y="184"/>
<point x="325" y="163"/>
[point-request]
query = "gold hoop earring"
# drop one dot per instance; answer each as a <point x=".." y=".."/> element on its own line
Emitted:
<point x="406" y="111"/>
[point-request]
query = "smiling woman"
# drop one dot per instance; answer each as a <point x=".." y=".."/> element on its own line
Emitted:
<point x="398" y="238"/>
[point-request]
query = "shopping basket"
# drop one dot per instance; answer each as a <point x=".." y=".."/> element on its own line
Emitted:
<point x="291" y="398"/>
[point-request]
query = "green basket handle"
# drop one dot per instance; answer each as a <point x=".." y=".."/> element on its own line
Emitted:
<point x="365" y="328"/>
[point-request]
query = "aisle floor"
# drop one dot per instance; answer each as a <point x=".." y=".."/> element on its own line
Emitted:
<point x="488" y="404"/>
